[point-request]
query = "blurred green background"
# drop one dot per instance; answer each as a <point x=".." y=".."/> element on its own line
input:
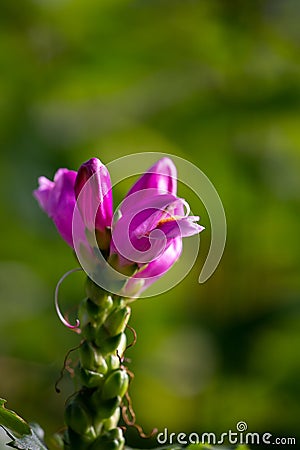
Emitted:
<point x="216" y="82"/>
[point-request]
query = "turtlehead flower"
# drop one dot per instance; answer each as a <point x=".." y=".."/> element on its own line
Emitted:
<point x="144" y="238"/>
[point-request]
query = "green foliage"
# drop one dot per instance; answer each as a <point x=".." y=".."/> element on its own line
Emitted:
<point x="9" y="419"/>
<point x="24" y="436"/>
<point x="31" y="441"/>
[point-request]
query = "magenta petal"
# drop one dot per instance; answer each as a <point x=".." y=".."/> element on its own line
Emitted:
<point x="43" y="192"/>
<point x="94" y="194"/>
<point x="133" y="235"/>
<point x="183" y="227"/>
<point x="57" y="199"/>
<point x="163" y="263"/>
<point x="162" y="177"/>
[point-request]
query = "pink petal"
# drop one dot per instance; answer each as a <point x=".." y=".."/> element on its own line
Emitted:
<point x="94" y="194"/>
<point x="57" y="199"/>
<point x="162" y="177"/>
<point x="132" y="234"/>
<point x="183" y="227"/>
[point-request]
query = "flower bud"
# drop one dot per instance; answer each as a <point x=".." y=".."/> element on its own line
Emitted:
<point x="76" y="441"/>
<point x="111" y="440"/>
<point x="98" y="295"/>
<point x="94" y="198"/>
<point x="91" y="379"/>
<point x="117" y="321"/>
<point x="113" y="421"/>
<point x="105" y="409"/>
<point x="98" y="313"/>
<point x="91" y="358"/>
<point x="78" y="418"/>
<point x="89" y="331"/>
<point x="116" y="384"/>
<point x="107" y="344"/>
<point x="122" y="345"/>
<point x="113" y="363"/>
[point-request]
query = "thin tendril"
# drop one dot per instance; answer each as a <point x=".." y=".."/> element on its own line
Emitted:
<point x="61" y="375"/>
<point x="131" y="421"/>
<point x="59" y="313"/>
<point x="143" y="434"/>
<point x="132" y="344"/>
<point x="128" y="413"/>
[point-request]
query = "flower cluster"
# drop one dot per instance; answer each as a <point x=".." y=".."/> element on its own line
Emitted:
<point x="143" y="239"/>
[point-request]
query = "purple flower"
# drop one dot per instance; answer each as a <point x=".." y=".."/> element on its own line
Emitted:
<point x="57" y="199"/>
<point x="94" y="200"/>
<point x="145" y="239"/>
<point x="95" y="203"/>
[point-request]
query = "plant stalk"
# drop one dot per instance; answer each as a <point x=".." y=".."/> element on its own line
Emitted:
<point x="92" y="414"/>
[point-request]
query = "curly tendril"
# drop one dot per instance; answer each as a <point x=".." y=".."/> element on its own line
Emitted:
<point x="59" y="313"/>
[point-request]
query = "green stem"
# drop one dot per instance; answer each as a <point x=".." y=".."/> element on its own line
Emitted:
<point x="92" y="413"/>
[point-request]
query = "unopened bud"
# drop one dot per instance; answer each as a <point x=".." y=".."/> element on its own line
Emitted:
<point x="113" y="363"/>
<point x="116" y="384"/>
<point x="91" y="379"/>
<point x="107" y="344"/>
<point x="105" y="409"/>
<point x="76" y="441"/>
<point x="113" y="421"/>
<point x="111" y="440"/>
<point x="89" y="331"/>
<point x="78" y="418"/>
<point x="91" y="358"/>
<point x="117" y="321"/>
<point x="98" y="313"/>
<point x="122" y="345"/>
<point x="97" y="294"/>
